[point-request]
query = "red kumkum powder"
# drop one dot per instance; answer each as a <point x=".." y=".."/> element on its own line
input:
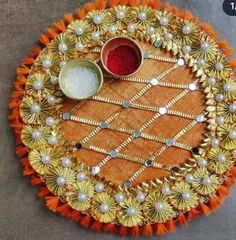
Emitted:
<point x="123" y="60"/>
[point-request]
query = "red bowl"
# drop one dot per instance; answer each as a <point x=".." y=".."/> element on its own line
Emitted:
<point x="112" y="44"/>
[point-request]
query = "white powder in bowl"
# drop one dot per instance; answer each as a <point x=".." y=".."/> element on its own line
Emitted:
<point x="81" y="82"/>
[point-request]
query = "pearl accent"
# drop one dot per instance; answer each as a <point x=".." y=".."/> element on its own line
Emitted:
<point x="131" y="211"/>
<point x="120" y="15"/>
<point x="181" y="62"/>
<point x="62" y="64"/>
<point x="79" y="46"/>
<point x="119" y="197"/>
<point x="168" y="36"/>
<point x="38" y="85"/>
<point x="215" y="142"/>
<point x="54" y="80"/>
<point x="81" y="176"/>
<point x="45" y="159"/>
<point x="131" y="28"/>
<point x="50" y="121"/>
<point x="96" y="36"/>
<point x="159" y="207"/>
<point x="82" y="197"/>
<point x="99" y="187"/>
<point x="112" y="29"/>
<point x="36" y="134"/>
<point x="35" y="108"/>
<point x="201" y="62"/>
<point x="219" y="66"/>
<point x="46" y="63"/>
<point x="187" y="49"/>
<point x="154" y="82"/>
<point x="232" y="134"/>
<point x="192" y="87"/>
<point x="222" y="158"/>
<point x="97" y="19"/>
<point x="142" y="16"/>
<point x="211" y="81"/>
<point x="104" y="208"/>
<point x="206" y="181"/>
<point x="96" y="170"/>
<point x="52" y="140"/>
<point x="66" y="162"/>
<point x="61" y="181"/>
<point x="150" y="30"/>
<point x="79" y="31"/>
<point x="186" y="29"/>
<point x="200" y="118"/>
<point x="163" y="110"/>
<point x="189" y="178"/>
<point x="165" y="190"/>
<point x="186" y="196"/>
<point x="204" y="46"/>
<point x="51" y="100"/>
<point x="220" y="120"/>
<point x="164" y="21"/>
<point x="227" y="87"/>
<point x="202" y="163"/>
<point x="62" y="47"/>
<point x="232" y="108"/>
<point x="140" y="197"/>
<point x="220" y="97"/>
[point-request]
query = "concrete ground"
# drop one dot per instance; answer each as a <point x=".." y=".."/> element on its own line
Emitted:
<point x="23" y="216"/>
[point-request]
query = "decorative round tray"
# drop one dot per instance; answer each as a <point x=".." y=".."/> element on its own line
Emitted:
<point x="148" y="150"/>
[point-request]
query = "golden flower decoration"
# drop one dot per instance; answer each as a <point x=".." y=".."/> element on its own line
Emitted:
<point x="227" y="137"/>
<point x="64" y="45"/>
<point x="80" y="29"/>
<point x="227" y="87"/>
<point x="227" y="111"/>
<point x="157" y="208"/>
<point x="130" y="213"/>
<point x="218" y="67"/>
<point x="164" y="21"/>
<point x="120" y="16"/>
<point x="59" y="178"/>
<point x="219" y="160"/>
<point x="142" y="17"/>
<point x="35" y="137"/>
<point x="79" y="195"/>
<point x="45" y="159"/>
<point x="34" y="111"/>
<point x="186" y="32"/>
<point x="183" y="197"/>
<point x="48" y="62"/>
<point x="103" y="208"/>
<point x="204" y="182"/>
<point x="205" y="48"/>
<point x="98" y="20"/>
<point x="39" y="83"/>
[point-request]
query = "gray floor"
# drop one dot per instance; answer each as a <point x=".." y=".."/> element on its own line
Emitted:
<point x="22" y="215"/>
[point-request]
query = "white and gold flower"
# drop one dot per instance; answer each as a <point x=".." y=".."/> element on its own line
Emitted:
<point x="227" y="136"/>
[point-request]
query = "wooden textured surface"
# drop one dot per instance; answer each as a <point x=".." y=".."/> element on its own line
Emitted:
<point x="118" y="170"/>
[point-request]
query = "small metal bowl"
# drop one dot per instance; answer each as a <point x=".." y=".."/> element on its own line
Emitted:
<point x="72" y="65"/>
<point x="116" y="42"/>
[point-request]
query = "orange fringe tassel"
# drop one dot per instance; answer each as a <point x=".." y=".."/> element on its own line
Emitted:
<point x="43" y="192"/>
<point x="36" y="180"/>
<point x="161" y="229"/>
<point x="123" y="231"/>
<point x="192" y="214"/>
<point x="68" y="18"/>
<point x="124" y="2"/>
<point x="135" y="231"/>
<point x="52" y="203"/>
<point x="52" y="33"/>
<point x="89" y="6"/>
<point x="134" y="3"/>
<point x="80" y="13"/>
<point x="229" y="181"/>
<point x="233" y="63"/>
<point x="75" y="215"/>
<point x="226" y="49"/>
<point x="209" y="29"/>
<point x="170" y="226"/>
<point x="97" y="226"/>
<point x="113" y="3"/>
<point x="100" y="4"/>
<point x="182" y="219"/>
<point x="44" y="39"/>
<point x="86" y="221"/>
<point x="147" y="230"/>
<point x="155" y="4"/>
<point x="64" y="210"/>
<point x="60" y="26"/>
<point x="204" y="209"/>
<point x="109" y="228"/>
<point x="223" y="192"/>
<point x="214" y="203"/>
